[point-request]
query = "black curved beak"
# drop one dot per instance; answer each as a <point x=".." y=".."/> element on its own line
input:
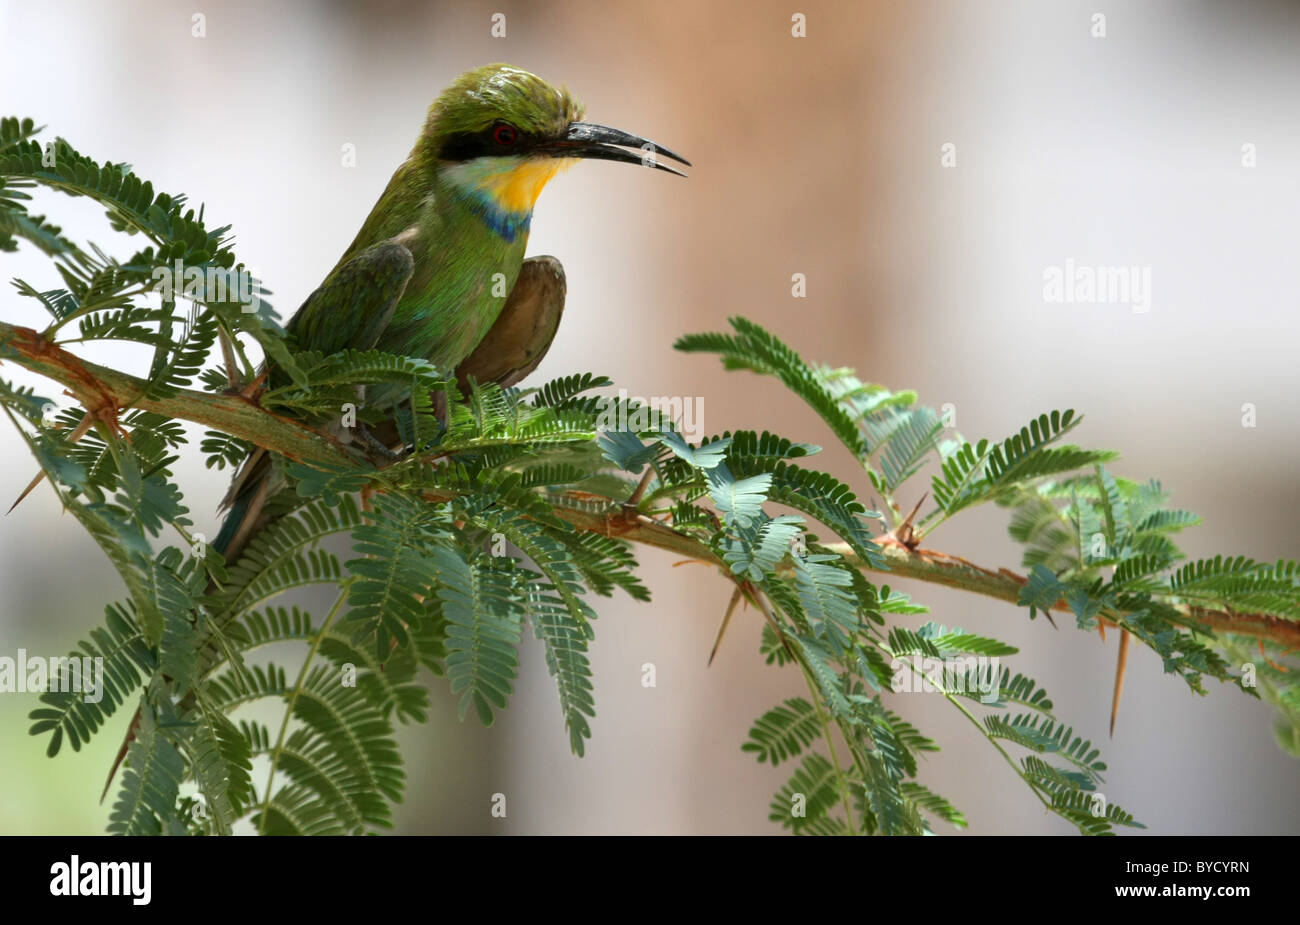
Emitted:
<point x="600" y="142"/>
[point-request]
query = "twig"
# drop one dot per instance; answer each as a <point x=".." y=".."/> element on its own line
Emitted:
<point x="100" y="387"/>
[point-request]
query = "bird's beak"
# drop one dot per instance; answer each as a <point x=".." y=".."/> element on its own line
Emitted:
<point x="586" y="139"/>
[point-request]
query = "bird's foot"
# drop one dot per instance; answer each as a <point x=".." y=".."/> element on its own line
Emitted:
<point x="378" y="446"/>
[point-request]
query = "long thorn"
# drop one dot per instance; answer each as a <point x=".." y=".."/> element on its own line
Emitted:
<point x="121" y="754"/>
<point x="228" y="356"/>
<point x="36" y="480"/>
<point x="916" y="509"/>
<point x="726" y="619"/>
<point x="1264" y="655"/>
<point x="905" y="532"/>
<point x="635" y="498"/>
<point x="1120" y="667"/>
<point x="82" y="428"/>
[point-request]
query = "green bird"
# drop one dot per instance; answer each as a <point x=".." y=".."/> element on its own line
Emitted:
<point x="438" y="271"/>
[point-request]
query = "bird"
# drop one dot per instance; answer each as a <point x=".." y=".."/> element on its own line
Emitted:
<point x="437" y="270"/>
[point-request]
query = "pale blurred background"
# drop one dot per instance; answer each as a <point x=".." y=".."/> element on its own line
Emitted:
<point x="818" y="155"/>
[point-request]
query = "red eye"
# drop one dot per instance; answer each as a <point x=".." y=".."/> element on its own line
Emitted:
<point x="504" y="134"/>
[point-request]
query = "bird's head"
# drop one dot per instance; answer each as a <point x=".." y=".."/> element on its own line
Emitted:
<point x="499" y="134"/>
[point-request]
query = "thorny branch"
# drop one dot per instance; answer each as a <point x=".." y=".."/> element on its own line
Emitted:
<point x="105" y="391"/>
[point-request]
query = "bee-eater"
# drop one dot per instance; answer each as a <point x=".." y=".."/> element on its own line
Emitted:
<point x="437" y="271"/>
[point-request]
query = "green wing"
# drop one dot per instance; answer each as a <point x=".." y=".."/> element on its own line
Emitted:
<point x="354" y="305"/>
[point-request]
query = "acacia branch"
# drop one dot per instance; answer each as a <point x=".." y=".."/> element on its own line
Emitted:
<point x="930" y="566"/>
<point x="106" y="391"/>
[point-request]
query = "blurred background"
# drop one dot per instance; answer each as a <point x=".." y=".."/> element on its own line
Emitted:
<point x="822" y="155"/>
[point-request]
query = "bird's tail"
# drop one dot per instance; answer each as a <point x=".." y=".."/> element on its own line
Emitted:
<point x="239" y="511"/>
<point x="254" y="485"/>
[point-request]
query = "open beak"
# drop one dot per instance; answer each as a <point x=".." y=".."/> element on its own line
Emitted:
<point x="600" y="142"/>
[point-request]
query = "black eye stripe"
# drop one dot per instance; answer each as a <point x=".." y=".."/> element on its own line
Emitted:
<point x="465" y="146"/>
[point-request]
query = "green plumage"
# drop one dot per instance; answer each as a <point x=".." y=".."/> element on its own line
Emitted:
<point x="437" y="262"/>
<point x="453" y="295"/>
<point x="421" y="277"/>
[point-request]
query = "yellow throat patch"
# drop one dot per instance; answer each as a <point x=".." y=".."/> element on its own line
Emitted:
<point x="508" y="184"/>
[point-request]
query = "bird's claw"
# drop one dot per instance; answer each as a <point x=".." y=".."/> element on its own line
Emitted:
<point x="378" y="446"/>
